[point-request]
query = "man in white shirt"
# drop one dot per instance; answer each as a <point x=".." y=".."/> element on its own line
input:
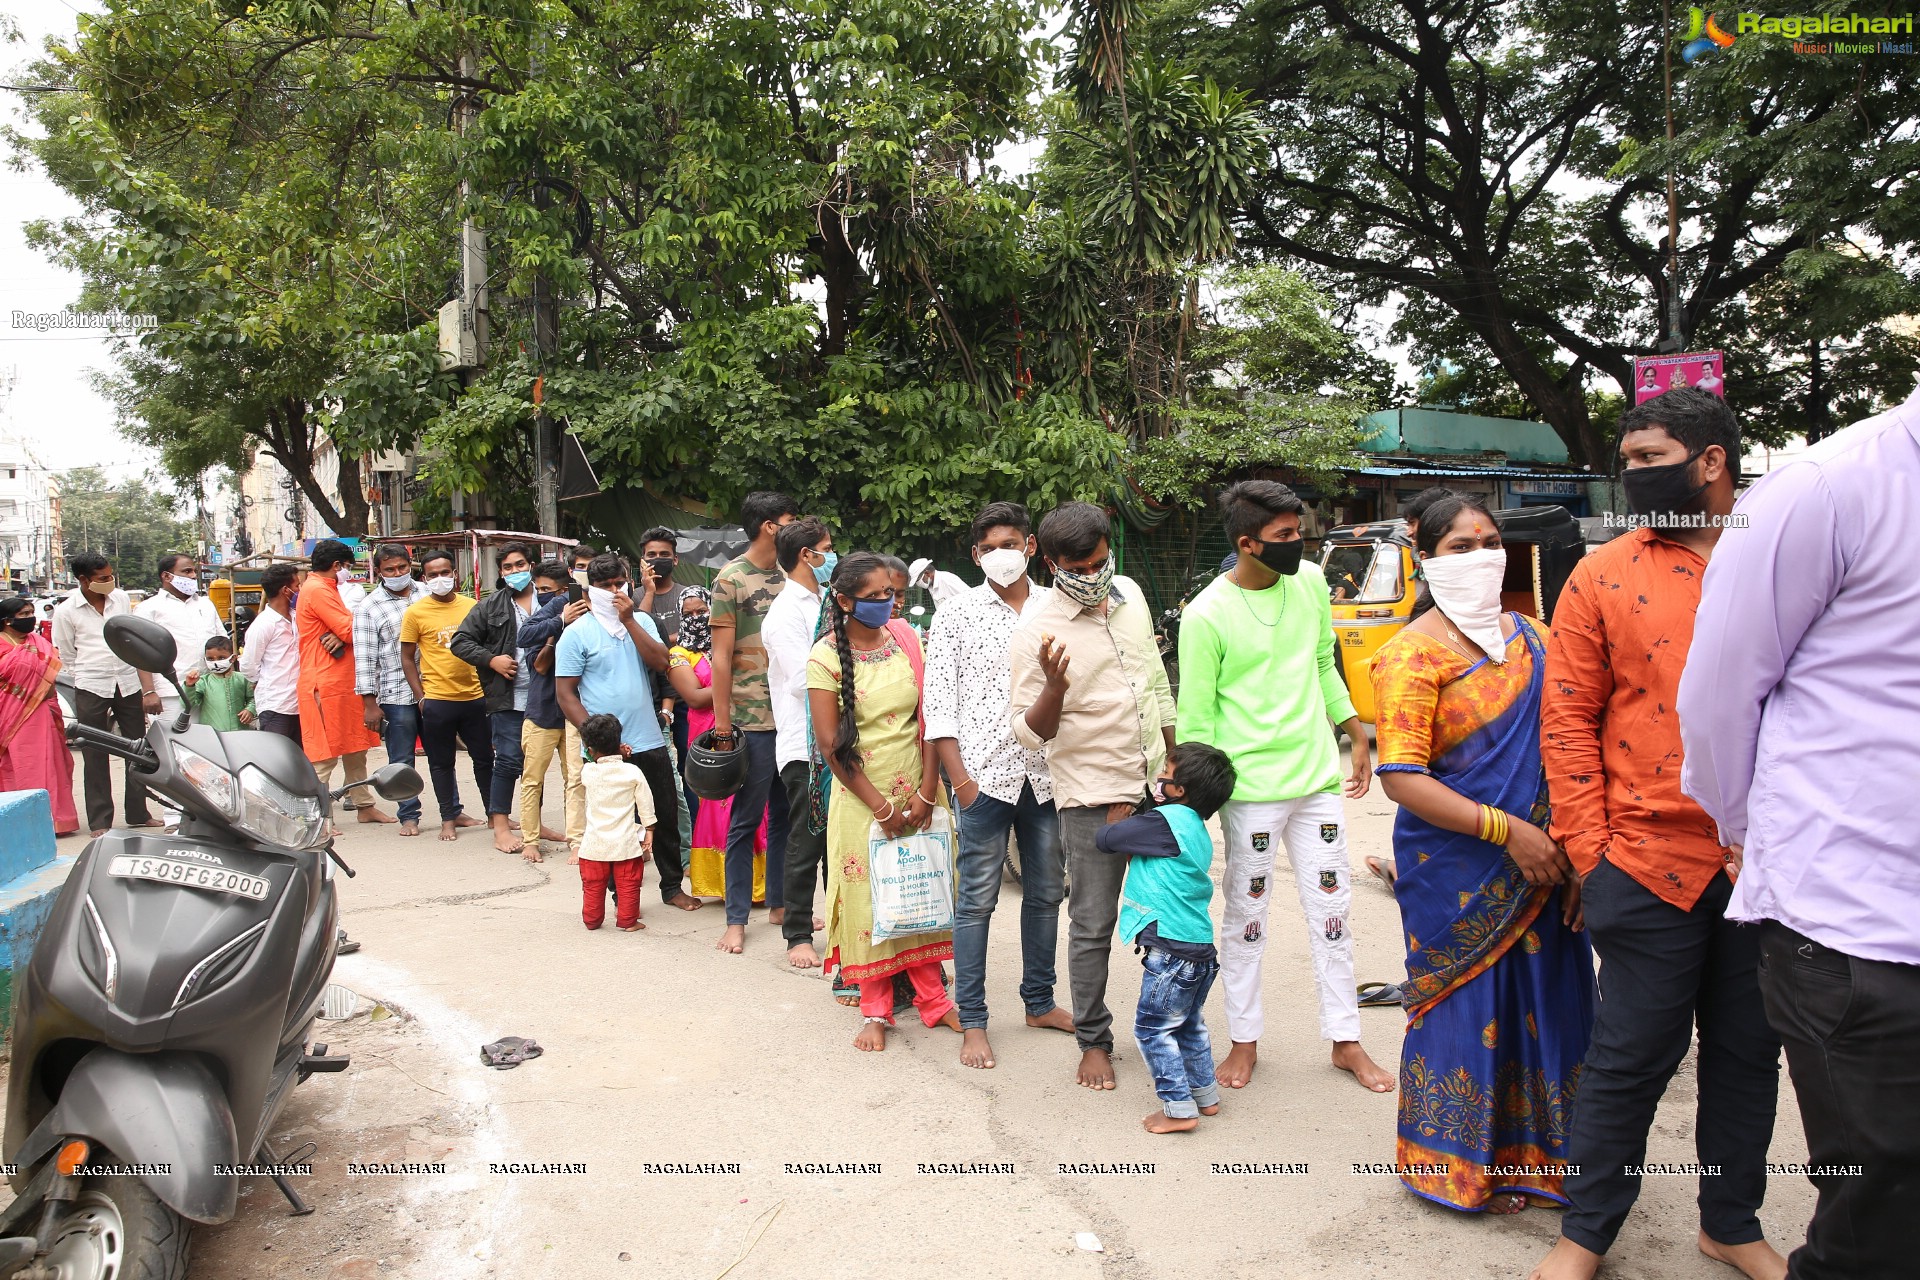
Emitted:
<point x="271" y="658"/>
<point x="107" y="693"/>
<point x="1000" y="786"/>
<point x="183" y="610"/>
<point x="938" y="583"/>
<point x="804" y="552"/>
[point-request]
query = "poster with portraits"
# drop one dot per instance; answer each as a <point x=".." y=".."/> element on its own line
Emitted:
<point x="1653" y="375"/>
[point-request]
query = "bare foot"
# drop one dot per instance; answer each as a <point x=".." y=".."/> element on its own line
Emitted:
<point x="872" y="1038"/>
<point x="801" y="955"/>
<point x="1213" y="1110"/>
<point x="450" y="830"/>
<point x="1507" y="1202"/>
<point x="1349" y="1056"/>
<point x="549" y="834"/>
<point x="975" y="1051"/>
<point x="1054" y="1019"/>
<point x="468" y="820"/>
<point x="818" y="924"/>
<point x="505" y="838"/>
<point x="777" y="916"/>
<point x="1237" y="1067"/>
<point x="1759" y="1260"/>
<point x="951" y="1022"/>
<point x="635" y="927"/>
<point x="531" y="852"/>
<point x="1096" y="1069"/>
<point x="155" y="822"/>
<point x="96" y="833"/>
<point x="1566" y="1261"/>
<point x="733" y="940"/>
<point x="371" y="814"/>
<point x="686" y="902"/>
<point x="1161" y="1122"/>
<point x="409" y="828"/>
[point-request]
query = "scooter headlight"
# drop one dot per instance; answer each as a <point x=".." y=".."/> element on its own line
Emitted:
<point x="212" y="781"/>
<point x="276" y="815"/>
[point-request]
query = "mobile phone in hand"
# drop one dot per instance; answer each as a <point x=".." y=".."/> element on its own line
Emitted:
<point x="574" y="593"/>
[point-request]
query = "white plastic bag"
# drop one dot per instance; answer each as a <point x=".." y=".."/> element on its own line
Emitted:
<point x="912" y="880"/>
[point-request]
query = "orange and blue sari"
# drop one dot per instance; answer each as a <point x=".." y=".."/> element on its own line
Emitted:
<point x="1499" y="994"/>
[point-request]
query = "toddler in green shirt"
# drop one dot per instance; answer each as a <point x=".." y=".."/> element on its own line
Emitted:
<point x="219" y="696"/>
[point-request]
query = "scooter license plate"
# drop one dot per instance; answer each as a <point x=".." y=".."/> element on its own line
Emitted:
<point x="192" y="874"/>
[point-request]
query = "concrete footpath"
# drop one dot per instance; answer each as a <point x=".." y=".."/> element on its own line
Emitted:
<point x="662" y="1051"/>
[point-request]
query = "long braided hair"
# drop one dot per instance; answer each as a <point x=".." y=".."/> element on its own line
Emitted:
<point x="852" y="570"/>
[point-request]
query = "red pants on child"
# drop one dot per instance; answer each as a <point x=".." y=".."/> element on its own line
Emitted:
<point x="626" y="875"/>
<point x="929" y="993"/>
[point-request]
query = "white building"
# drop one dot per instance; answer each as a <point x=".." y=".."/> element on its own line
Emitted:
<point x="30" y="551"/>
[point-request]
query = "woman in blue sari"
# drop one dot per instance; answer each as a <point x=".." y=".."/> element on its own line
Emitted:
<point x="1499" y="990"/>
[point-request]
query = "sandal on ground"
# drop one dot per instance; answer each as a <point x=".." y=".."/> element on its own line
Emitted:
<point x="1379" y="993"/>
<point x="1382" y="871"/>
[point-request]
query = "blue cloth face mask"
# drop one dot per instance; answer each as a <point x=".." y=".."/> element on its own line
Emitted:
<point x="873" y="613"/>
<point x="823" y="572"/>
<point x="518" y="582"/>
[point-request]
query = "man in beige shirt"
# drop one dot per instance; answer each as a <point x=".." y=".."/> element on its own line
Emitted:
<point x="1089" y="689"/>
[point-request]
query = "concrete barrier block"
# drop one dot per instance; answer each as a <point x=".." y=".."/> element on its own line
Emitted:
<point x="26" y="833"/>
<point x="30" y="877"/>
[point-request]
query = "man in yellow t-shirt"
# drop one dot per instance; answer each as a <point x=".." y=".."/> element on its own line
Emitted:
<point x="452" y="704"/>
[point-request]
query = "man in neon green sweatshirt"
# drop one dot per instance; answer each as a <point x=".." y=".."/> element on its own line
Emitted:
<point x="1258" y="681"/>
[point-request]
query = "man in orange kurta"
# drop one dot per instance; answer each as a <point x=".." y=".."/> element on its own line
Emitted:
<point x="332" y="716"/>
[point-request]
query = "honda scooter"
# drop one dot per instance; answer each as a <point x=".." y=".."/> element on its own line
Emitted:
<point x="164" y="1019"/>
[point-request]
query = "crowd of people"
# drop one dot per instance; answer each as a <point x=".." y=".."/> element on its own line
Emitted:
<point x="1686" y="779"/>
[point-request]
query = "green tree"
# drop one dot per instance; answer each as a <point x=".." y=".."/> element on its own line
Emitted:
<point x="131" y="523"/>
<point x="1506" y="164"/>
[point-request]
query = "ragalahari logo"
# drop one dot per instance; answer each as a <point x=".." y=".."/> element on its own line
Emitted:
<point x="1704" y="35"/>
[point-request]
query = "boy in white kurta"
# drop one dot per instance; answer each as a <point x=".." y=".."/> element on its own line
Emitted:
<point x="619" y="830"/>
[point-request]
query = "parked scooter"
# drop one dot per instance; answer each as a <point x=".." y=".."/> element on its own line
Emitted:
<point x="163" y="1021"/>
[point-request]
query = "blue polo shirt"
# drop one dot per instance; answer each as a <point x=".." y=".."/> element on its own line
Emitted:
<point x="613" y="680"/>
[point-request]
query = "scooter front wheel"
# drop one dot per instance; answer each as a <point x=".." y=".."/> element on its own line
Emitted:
<point x="117" y="1229"/>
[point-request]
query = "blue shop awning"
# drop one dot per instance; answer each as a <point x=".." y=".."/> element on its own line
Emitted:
<point x="1507" y="473"/>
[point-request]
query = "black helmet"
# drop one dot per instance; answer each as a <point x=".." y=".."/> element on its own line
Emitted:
<point x="712" y="773"/>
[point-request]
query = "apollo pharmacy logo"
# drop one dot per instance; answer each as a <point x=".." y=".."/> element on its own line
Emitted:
<point x="1705" y="34"/>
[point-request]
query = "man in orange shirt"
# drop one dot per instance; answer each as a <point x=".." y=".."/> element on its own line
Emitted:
<point x="332" y="716"/>
<point x="1654" y="878"/>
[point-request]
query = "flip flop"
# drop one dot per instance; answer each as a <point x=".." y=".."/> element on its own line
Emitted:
<point x="1379" y="994"/>
<point x="1382" y="871"/>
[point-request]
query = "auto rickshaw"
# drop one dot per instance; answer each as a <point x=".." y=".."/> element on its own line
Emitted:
<point x="1370" y="573"/>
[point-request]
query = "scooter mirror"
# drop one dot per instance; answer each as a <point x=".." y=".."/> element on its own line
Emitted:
<point x="141" y="643"/>
<point x="397" y="782"/>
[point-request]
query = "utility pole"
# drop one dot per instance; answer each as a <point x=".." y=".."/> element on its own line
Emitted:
<point x="1676" y="340"/>
<point x="546" y="343"/>
<point x="473" y="246"/>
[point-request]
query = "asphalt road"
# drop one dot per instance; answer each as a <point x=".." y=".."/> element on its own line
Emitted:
<point x="662" y="1051"/>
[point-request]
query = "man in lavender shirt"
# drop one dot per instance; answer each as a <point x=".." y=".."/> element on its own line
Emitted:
<point x="1800" y="718"/>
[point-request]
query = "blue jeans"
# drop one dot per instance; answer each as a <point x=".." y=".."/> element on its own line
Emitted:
<point x="398" y="735"/>
<point x="983" y="828"/>
<point x="508" y="759"/>
<point x="1172" y="1034"/>
<point x="758" y="797"/>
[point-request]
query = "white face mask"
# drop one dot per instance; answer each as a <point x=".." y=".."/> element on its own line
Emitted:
<point x="442" y="587"/>
<point x="1466" y="588"/>
<point x="600" y="601"/>
<point x="184" y="585"/>
<point x="400" y="585"/>
<point x="1004" y="565"/>
<point x="219" y="665"/>
<point x="344" y="575"/>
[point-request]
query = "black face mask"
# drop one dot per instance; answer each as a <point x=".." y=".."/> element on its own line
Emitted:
<point x="1282" y="557"/>
<point x="22" y="621"/>
<point x="1661" y="492"/>
<point x="660" y="566"/>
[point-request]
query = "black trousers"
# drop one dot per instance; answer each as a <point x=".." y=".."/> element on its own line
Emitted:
<point x="121" y="715"/>
<point x="1662" y="972"/>
<point x="282" y="723"/>
<point x="668" y="860"/>
<point x="806" y="856"/>
<point x="1852" y="1031"/>
<point x="440" y="723"/>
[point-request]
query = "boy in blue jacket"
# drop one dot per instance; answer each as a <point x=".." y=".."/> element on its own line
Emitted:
<point x="1163" y="912"/>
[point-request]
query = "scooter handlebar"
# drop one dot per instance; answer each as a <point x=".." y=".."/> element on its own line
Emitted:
<point x="132" y="748"/>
